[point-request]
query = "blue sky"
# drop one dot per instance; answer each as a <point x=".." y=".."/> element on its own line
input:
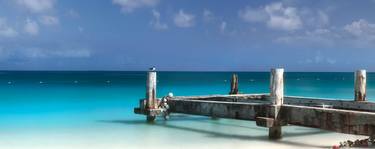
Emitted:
<point x="213" y="35"/>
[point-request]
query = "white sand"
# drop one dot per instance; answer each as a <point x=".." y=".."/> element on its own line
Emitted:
<point x="180" y="132"/>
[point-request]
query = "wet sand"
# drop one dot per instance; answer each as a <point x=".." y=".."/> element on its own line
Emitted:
<point x="181" y="131"/>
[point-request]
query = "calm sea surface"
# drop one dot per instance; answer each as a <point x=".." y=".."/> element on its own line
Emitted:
<point x="65" y="104"/>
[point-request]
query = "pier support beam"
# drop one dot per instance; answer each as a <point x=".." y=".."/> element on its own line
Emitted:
<point x="234" y="85"/>
<point x="151" y="102"/>
<point x="277" y="97"/>
<point x="360" y="85"/>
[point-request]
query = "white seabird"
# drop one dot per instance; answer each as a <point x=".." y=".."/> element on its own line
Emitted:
<point x="153" y="68"/>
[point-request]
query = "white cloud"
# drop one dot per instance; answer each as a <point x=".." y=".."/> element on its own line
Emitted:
<point x="31" y="27"/>
<point x="5" y="30"/>
<point x="284" y="18"/>
<point x="275" y="15"/>
<point x="361" y="33"/>
<point x="37" y="6"/>
<point x="184" y="20"/>
<point x="128" y="6"/>
<point x="43" y="10"/>
<point x="155" y="22"/>
<point x="361" y="29"/>
<point x="49" y="20"/>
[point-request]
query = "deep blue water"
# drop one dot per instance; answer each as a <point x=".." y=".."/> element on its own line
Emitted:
<point x="71" y="99"/>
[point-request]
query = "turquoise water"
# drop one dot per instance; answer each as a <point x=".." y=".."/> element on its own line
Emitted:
<point x="85" y="103"/>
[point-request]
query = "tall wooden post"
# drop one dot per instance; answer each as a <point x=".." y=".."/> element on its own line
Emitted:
<point x="360" y="85"/>
<point x="277" y="86"/>
<point x="151" y="92"/>
<point x="234" y="84"/>
<point x="277" y="97"/>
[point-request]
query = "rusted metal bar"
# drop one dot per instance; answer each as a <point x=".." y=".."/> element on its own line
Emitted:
<point x="234" y="85"/>
<point x="360" y="85"/>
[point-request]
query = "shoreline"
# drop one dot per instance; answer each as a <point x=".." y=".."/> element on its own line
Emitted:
<point x="181" y="131"/>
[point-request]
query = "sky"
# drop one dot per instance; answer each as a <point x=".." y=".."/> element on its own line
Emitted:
<point x="187" y="35"/>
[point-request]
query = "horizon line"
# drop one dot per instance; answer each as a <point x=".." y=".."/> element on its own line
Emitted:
<point x="93" y="70"/>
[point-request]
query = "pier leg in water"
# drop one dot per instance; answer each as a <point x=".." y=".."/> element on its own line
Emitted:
<point x="360" y="85"/>
<point x="151" y="118"/>
<point x="275" y="132"/>
<point x="277" y="96"/>
<point x="151" y="93"/>
<point x="234" y="85"/>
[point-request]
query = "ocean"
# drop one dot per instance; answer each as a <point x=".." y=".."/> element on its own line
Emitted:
<point x="94" y="109"/>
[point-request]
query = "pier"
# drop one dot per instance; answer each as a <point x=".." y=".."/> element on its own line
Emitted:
<point x="273" y="110"/>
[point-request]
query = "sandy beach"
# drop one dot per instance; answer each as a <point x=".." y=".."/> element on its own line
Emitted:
<point x="181" y="131"/>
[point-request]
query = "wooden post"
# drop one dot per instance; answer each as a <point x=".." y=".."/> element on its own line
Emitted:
<point x="360" y="85"/>
<point x="277" y="97"/>
<point x="234" y="85"/>
<point x="277" y="86"/>
<point x="151" y="92"/>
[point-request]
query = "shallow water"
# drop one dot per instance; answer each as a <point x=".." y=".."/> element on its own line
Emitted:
<point x="95" y="109"/>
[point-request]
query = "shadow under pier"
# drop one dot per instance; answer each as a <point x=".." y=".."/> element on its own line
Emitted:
<point x="217" y="134"/>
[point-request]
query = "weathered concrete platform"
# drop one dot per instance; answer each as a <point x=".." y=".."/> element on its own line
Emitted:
<point x="271" y="110"/>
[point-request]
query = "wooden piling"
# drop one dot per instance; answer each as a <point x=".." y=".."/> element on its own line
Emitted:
<point x="234" y="85"/>
<point x="151" y="92"/>
<point x="360" y="85"/>
<point x="277" y="97"/>
<point x="277" y="86"/>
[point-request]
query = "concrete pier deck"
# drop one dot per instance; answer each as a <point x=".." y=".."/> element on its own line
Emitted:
<point x="273" y="110"/>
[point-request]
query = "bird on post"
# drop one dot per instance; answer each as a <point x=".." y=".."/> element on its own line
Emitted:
<point x="152" y="68"/>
